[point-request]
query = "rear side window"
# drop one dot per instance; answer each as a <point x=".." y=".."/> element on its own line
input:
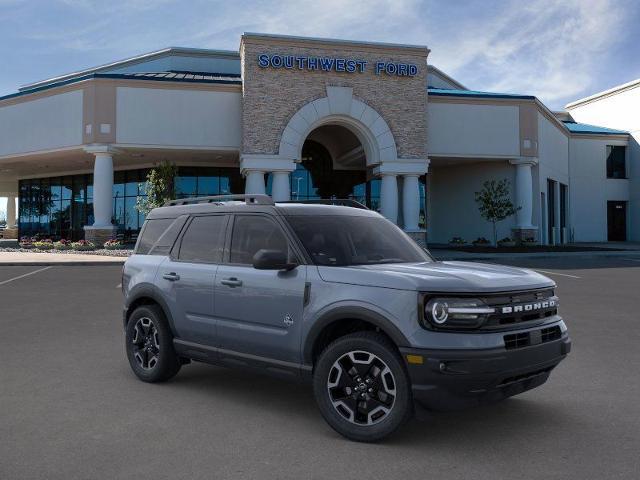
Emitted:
<point x="151" y="232"/>
<point x="203" y="241"/>
<point x="168" y="238"/>
<point x="252" y="233"/>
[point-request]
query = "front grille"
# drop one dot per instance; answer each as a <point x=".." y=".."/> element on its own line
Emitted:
<point x="534" y="337"/>
<point x="525" y="300"/>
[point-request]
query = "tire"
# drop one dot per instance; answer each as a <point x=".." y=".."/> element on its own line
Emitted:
<point x="149" y="345"/>
<point x="367" y="404"/>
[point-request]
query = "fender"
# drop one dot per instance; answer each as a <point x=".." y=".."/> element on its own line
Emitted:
<point x="350" y="312"/>
<point x="146" y="290"/>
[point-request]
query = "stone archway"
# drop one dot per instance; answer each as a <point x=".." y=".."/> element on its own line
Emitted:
<point x="339" y="107"/>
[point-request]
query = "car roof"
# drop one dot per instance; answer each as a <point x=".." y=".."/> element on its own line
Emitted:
<point x="286" y="209"/>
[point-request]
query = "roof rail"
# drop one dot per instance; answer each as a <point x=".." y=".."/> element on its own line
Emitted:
<point x="343" y="202"/>
<point x="250" y="199"/>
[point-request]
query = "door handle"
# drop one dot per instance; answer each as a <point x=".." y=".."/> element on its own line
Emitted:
<point x="172" y="277"/>
<point x="231" y="282"/>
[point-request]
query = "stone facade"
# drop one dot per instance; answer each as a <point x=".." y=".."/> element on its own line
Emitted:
<point x="272" y="96"/>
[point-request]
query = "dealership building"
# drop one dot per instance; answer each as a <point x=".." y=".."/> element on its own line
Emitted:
<point x="306" y="118"/>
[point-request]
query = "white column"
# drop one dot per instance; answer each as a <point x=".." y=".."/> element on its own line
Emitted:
<point x="411" y="202"/>
<point x="103" y="189"/>
<point x="280" y="190"/>
<point x="389" y="197"/>
<point x="255" y="182"/>
<point x="556" y="226"/>
<point x="11" y="212"/>
<point x="524" y="193"/>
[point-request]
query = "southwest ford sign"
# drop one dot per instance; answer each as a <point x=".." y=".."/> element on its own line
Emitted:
<point x="333" y="64"/>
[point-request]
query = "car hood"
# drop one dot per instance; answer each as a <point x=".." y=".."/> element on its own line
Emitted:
<point x="438" y="277"/>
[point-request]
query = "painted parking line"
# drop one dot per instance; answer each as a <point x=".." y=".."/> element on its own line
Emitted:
<point x="25" y="275"/>
<point x="556" y="273"/>
<point x="119" y="286"/>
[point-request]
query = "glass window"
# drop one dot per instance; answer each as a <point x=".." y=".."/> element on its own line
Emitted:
<point x="186" y="186"/>
<point x="203" y="241"/>
<point x="616" y="167"/>
<point x="252" y="233"/>
<point x="341" y="240"/>
<point x="151" y="233"/>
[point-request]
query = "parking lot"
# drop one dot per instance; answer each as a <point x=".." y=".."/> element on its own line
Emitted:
<point x="70" y="407"/>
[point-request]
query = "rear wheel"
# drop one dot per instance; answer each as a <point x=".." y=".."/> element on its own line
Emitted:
<point x="149" y="345"/>
<point x="362" y="387"/>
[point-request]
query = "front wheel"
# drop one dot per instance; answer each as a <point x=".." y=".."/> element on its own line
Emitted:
<point x="149" y="345"/>
<point x="362" y="388"/>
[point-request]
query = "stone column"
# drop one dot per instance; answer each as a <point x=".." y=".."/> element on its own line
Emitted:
<point x="389" y="196"/>
<point x="102" y="228"/>
<point x="411" y="202"/>
<point x="280" y="189"/>
<point x="255" y="182"/>
<point x="11" y="212"/>
<point x="524" y="198"/>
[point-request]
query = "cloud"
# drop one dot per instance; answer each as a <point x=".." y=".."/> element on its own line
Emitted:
<point x="547" y="48"/>
<point x="557" y="50"/>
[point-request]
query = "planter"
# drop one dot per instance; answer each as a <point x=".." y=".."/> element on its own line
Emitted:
<point x="456" y="244"/>
<point x="83" y="246"/>
<point x="43" y="245"/>
<point x="506" y="244"/>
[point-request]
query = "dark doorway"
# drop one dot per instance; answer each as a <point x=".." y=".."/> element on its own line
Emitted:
<point x="617" y="221"/>
<point x="551" y="210"/>
<point x="329" y="182"/>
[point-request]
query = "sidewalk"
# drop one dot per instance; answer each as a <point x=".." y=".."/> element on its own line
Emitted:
<point x="445" y="254"/>
<point x="37" y="259"/>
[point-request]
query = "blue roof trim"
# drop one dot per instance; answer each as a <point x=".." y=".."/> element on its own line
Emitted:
<point x="225" y="80"/>
<point x="444" y="92"/>
<point x="585" y="128"/>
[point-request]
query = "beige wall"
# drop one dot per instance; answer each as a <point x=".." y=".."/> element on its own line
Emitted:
<point x="172" y="117"/>
<point x="45" y="123"/>
<point x="473" y="129"/>
<point x="272" y="96"/>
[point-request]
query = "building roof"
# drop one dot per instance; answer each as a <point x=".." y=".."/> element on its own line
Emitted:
<point x="474" y="93"/>
<point x="171" y="76"/>
<point x="604" y="93"/>
<point x="585" y="128"/>
<point x="134" y="60"/>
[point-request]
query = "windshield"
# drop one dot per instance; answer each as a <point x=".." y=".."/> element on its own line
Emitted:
<point x="345" y="240"/>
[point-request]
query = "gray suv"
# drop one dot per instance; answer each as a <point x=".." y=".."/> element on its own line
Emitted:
<point x="339" y="297"/>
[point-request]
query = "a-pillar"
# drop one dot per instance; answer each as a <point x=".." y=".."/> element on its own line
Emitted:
<point x="524" y="228"/>
<point x="102" y="228"/>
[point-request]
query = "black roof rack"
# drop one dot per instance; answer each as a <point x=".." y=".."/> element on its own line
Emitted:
<point x="250" y="199"/>
<point x="343" y="202"/>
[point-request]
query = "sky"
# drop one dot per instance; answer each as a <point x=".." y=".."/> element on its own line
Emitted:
<point x="557" y="50"/>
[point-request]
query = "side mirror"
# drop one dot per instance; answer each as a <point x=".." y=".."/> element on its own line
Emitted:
<point x="272" y="260"/>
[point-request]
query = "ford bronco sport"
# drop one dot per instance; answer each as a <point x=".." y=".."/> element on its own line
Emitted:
<point x="338" y="296"/>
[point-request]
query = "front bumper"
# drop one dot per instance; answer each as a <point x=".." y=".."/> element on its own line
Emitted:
<point x="454" y="379"/>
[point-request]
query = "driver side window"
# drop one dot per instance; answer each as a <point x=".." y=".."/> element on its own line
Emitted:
<point x="252" y="233"/>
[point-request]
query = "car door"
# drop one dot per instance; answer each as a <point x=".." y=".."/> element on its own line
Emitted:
<point x="187" y="278"/>
<point x="258" y="312"/>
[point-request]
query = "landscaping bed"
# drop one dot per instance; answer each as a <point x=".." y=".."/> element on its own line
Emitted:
<point x="101" y="251"/>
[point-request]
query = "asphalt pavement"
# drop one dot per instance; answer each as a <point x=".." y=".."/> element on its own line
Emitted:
<point x="71" y="409"/>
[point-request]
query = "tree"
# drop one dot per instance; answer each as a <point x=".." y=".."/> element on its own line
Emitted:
<point x="494" y="203"/>
<point x="160" y="187"/>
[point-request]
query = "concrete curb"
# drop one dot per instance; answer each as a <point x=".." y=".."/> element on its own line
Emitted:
<point x="544" y="255"/>
<point x="62" y="264"/>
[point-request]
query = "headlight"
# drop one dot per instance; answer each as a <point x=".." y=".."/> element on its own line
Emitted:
<point x="456" y="312"/>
